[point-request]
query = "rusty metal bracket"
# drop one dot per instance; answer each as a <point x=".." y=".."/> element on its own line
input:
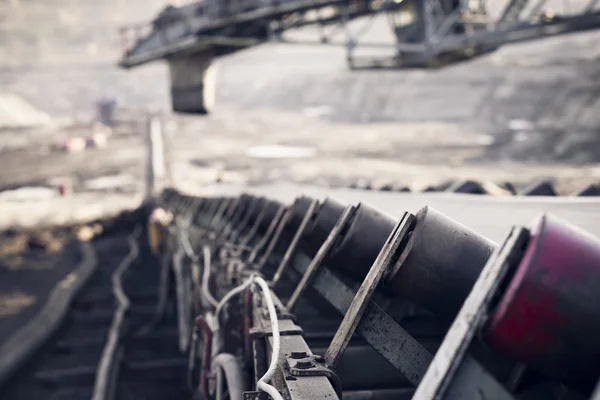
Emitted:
<point x="219" y="213"/>
<point x="243" y="223"/>
<point x="294" y="243"/>
<point x="284" y="330"/>
<point x="209" y="214"/>
<point x="252" y="232"/>
<point x="454" y="373"/>
<point x="323" y="252"/>
<point x="267" y="236"/>
<point x="287" y="216"/>
<point x="302" y="385"/>
<point x="233" y="218"/>
<point x="376" y="327"/>
<point x="282" y="313"/>
<point x="300" y="364"/>
<point x="386" y="259"/>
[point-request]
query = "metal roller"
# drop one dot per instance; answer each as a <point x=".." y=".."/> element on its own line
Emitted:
<point x="201" y="208"/>
<point x="241" y="206"/>
<point x="439" y="264"/>
<point x="177" y="202"/>
<point x="196" y="209"/>
<point x="327" y="214"/>
<point x="257" y="208"/>
<point x="549" y="314"/>
<point x="231" y="209"/>
<point x="271" y="211"/>
<point x="300" y="207"/>
<point x="181" y="203"/>
<point x="167" y="196"/>
<point x="250" y="212"/>
<point x="209" y="210"/>
<point x="185" y="204"/>
<point x="358" y="247"/>
<point x="217" y="220"/>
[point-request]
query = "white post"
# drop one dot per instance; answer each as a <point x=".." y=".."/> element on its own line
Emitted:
<point x="156" y="176"/>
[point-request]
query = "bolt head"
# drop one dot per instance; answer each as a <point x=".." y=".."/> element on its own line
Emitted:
<point x="304" y="364"/>
<point x="298" y="354"/>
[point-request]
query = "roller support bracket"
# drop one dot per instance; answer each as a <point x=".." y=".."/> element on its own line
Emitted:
<point x="375" y="326"/>
<point x="386" y="258"/>
<point x="317" y="385"/>
<point x="311" y="365"/>
<point x="294" y="243"/>
<point x="291" y="329"/>
<point x="453" y="367"/>
<point x="320" y="256"/>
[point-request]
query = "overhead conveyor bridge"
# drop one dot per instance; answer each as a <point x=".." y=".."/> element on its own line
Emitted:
<point x="427" y="33"/>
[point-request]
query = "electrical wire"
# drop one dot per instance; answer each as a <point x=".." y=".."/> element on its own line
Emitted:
<point x="206" y="252"/>
<point x="262" y="382"/>
<point x="206" y="276"/>
<point x="231" y="294"/>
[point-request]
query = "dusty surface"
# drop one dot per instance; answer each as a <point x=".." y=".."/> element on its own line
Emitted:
<point x="524" y="112"/>
<point x="31" y="262"/>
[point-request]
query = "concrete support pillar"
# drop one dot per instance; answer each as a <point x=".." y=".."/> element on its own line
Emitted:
<point x="193" y="82"/>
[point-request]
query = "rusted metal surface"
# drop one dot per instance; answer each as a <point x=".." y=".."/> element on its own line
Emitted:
<point x="276" y="237"/>
<point x="271" y="212"/>
<point x="376" y="327"/>
<point x="268" y="234"/>
<point x="326" y="216"/>
<point x="254" y="203"/>
<point x="294" y="243"/>
<point x="359" y="304"/>
<point x="237" y="214"/>
<point x="539" y="282"/>
<point x="296" y="386"/>
<point x="299" y="210"/>
<point x="453" y="257"/>
<point x="359" y="246"/>
<point x="440" y="263"/>
<point x="320" y="256"/>
<point x="452" y="368"/>
<point x="548" y="316"/>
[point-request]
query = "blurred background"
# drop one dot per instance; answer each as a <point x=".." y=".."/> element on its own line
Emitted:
<point x="293" y="113"/>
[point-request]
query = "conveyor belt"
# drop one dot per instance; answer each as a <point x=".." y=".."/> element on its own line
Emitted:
<point x="489" y="216"/>
<point x="515" y="306"/>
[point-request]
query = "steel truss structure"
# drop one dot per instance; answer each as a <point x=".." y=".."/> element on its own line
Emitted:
<point x="361" y="306"/>
<point x="427" y="32"/>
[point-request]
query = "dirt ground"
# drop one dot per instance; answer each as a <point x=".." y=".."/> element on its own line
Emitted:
<point x="31" y="262"/>
<point x="525" y="112"/>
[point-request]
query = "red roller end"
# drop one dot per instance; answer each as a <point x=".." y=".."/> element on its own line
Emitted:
<point x="549" y="315"/>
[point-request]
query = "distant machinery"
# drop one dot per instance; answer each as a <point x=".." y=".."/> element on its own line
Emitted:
<point x="427" y="33"/>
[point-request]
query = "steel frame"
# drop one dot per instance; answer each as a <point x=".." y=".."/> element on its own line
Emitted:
<point x="452" y="365"/>
<point x="453" y="373"/>
<point x="363" y="315"/>
<point x="449" y="32"/>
